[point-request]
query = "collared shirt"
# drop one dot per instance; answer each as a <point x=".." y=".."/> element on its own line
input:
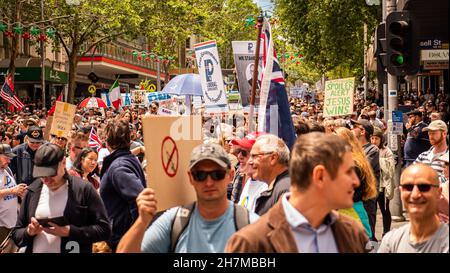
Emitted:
<point x="307" y="238"/>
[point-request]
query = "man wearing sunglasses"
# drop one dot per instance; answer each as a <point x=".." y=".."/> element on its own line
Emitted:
<point x="323" y="178"/>
<point x="22" y="164"/>
<point x="211" y="222"/>
<point x="420" y="192"/>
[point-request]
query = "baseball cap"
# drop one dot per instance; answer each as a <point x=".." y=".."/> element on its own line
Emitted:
<point x="34" y="133"/>
<point x="5" y="149"/>
<point x="437" y="125"/>
<point x="210" y="151"/>
<point x="414" y="112"/>
<point x="248" y="141"/>
<point x="46" y="160"/>
<point x="368" y="127"/>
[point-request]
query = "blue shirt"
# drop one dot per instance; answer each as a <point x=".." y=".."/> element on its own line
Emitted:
<point x="307" y="238"/>
<point x="200" y="235"/>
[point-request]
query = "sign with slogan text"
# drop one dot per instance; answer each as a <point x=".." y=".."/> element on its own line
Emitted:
<point x="167" y="112"/>
<point x="169" y="141"/>
<point x="339" y="97"/>
<point x="208" y="64"/>
<point x="63" y="119"/>
<point x="244" y="59"/>
<point x="138" y="97"/>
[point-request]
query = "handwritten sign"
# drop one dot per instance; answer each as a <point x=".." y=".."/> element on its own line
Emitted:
<point x="339" y="97"/>
<point x="138" y="97"/>
<point x="63" y="119"/>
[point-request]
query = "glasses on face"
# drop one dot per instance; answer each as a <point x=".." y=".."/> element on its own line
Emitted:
<point x="243" y="152"/>
<point x="260" y="154"/>
<point x="422" y="187"/>
<point x="215" y="175"/>
<point x="78" y="147"/>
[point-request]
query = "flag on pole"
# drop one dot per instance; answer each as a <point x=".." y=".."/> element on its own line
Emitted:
<point x="274" y="114"/>
<point x="114" y="94"/>
<point x="52" y="110"/>
<point x="7" y="93"/>
<point x="94" y="140"/>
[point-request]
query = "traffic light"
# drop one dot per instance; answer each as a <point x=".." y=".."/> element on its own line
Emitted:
<point x="402" y="48"/>
<point x="381" y="53"/>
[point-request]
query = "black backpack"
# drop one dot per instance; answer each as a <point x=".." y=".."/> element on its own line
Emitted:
<point x="181" y="220"/>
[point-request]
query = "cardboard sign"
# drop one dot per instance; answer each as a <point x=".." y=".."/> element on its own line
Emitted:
<point x="170" y="141"/>
<point x="339" y="97"/>
<point x="63" y="119"/>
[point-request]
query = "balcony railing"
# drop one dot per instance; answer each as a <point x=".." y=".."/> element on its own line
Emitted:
<point x="123" y="54"/>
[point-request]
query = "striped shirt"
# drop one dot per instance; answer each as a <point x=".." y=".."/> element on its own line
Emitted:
<point x="432" y="159"/>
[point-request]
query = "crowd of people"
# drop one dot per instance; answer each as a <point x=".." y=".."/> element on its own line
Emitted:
<point x="254" y="194"/>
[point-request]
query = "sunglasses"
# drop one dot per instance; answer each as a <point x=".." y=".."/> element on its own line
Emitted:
<point x="421" y="187"/>
<point x="244" y="153"/>
<point x="216" y="175"/>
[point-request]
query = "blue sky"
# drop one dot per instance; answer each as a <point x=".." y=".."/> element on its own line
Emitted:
<point x="264" y="4"/>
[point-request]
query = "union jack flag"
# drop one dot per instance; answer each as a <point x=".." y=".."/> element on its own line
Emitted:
<point x="94" y="140"/>
<point x="274" y="114"/>
<point x="7" y="93"/>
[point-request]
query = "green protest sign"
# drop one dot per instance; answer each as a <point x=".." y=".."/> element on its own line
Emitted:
<point x="339" y="97"/>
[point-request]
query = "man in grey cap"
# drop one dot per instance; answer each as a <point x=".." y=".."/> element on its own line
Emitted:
<point x="437" y="133"/>
<point x="22" y="164"/>
<point x="9" y="191"/>
<point x="204" y="226"/>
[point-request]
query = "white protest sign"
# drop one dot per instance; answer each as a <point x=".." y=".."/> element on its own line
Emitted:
<point x="208" y="64"/>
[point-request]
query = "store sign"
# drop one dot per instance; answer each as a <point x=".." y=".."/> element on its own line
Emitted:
<point x="434" y="55"/>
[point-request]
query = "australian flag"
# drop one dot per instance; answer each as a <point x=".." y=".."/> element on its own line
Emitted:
<point x="274" y="113"/>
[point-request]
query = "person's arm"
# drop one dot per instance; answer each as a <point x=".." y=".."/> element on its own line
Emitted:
<point x="132" y="240"/>
<point x="128" y="185"/>
<point x="17" y="190"/>
<point x="98" y="227"/>
<point x="138" y="150"/>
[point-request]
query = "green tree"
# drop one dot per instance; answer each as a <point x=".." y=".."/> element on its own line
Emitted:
<point x="329" y="32"/>
<point x="16" y="13"/>
<point x="92" y="23"/>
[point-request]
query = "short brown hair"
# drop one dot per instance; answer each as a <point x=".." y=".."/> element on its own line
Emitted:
<point x="118" y="134"/>
<point x="311" y="150"/>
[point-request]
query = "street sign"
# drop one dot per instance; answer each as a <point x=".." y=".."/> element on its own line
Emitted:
<point x="397" y="116"/>
<point x="152" y="88"/>
<point x="393" y="142"/>
<point x="92" y="89"/>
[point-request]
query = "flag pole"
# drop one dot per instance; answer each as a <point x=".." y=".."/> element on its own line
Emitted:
<point x="255" y="74"/>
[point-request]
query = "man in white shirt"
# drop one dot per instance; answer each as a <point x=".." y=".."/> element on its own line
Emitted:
<point x="9" y="191"/>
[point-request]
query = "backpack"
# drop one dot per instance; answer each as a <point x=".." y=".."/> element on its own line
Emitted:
<point x="181" y="220"/>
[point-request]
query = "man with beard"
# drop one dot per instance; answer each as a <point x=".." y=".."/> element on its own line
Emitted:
<point x="437" y="132"/>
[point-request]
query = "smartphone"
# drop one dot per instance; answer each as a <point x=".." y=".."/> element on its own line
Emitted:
<point x="60" y="221"/>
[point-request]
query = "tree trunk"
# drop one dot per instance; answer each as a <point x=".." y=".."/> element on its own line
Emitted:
<point x="166" y="66"/>
<point x="73" y="62"/>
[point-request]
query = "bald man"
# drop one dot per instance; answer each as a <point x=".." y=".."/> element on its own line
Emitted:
<point x="420" y="192"/>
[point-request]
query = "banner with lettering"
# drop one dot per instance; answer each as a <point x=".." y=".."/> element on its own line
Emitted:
<point x="208" y="64"/>
<point x="339" y="97"/>
<point x="244" y="60"/>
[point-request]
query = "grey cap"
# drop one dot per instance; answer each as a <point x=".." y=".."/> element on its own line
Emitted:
<point x="210" y="151"/>
<point x="5" y="149"/>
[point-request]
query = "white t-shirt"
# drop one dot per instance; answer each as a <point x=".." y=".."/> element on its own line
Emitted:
<point x="8" y="204"/>
<point x="102" y="153"/>
<point x="251" y="191"/>
<point x="51" y="204"/>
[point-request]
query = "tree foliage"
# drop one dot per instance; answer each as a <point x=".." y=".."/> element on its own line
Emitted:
<point x="329" y="32"/>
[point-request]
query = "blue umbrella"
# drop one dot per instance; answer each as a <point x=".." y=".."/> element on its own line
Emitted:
<point x="185" y="84"/>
